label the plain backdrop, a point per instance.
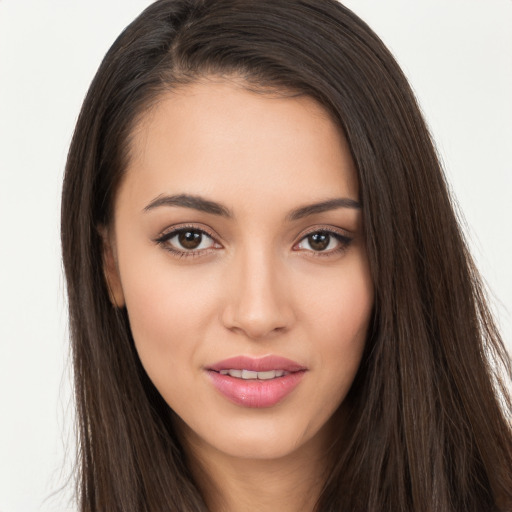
(458, 57)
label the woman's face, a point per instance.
(237, 248)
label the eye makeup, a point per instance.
(192, 241)
(188, 241)
(324, 241)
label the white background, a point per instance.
(458, 56)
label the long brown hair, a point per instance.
(429, 411)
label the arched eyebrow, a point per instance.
(324, 206)
(190, 201)
(205, 205)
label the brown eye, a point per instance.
(190, 239)
(187, 240)
(319, 241)
(325, 242)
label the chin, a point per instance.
(262, 438)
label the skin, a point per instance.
(256, 287)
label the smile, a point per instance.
(251, 375)
(256, 383)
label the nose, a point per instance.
(258, 304)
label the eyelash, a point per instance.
(163, 240)
(343, 240)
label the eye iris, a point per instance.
(319, 241)
(190, 239)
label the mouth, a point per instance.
(260, 365)
(256, 383)
(251, 375)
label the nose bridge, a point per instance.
(258, 303)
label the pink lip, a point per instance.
(256, 393)
(262, 364)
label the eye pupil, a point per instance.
(190, 239)
(319, 241)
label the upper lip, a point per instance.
(261, 364)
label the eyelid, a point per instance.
(343, 236)
(170, 232)
(328, 229)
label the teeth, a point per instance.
(267, 375)
(250, 375)
(247, 374)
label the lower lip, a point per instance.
(256, 393)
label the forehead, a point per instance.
(218, 138)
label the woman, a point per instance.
(272, 306)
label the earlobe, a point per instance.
(110, 268)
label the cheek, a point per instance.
(340, 317)
(339, 303)
(169, 313)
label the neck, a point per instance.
(292, 483)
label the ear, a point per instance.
(111, 268)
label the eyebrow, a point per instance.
(324, 206)
(190, 201)
(204, 205)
